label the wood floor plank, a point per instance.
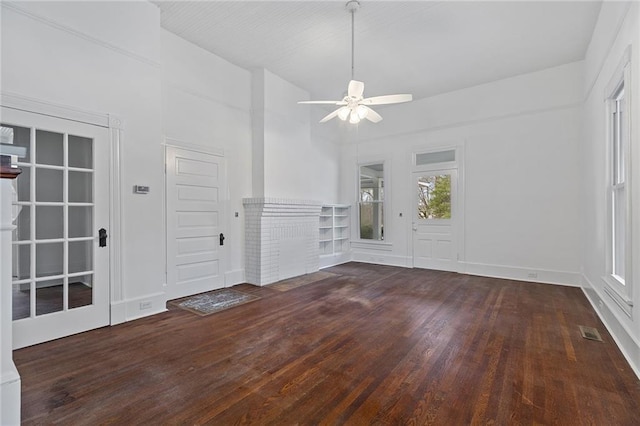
(369, 345)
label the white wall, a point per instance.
(520, 138)
(617, 28)
(296, 165)
(102, 57)
(206, 101)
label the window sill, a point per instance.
(619, 297)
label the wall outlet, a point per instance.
(145, 305)
(532, 275)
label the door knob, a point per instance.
(102, 237)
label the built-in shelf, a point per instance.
(334, 234)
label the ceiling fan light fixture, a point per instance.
(362, 111)
(354, 105)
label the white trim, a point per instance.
(371, 245)
(53, 24)
(212, 150)
(42, 107)
(116, 293)
(517, 273)
(129, 309)
(624, 338)
(382, 259)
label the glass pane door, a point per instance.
(60, 272)
(52, 243)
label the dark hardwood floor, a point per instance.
(373, 345)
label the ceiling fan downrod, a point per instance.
(352, 6)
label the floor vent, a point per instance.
(590, 333)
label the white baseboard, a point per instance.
(334, 259)
(543, 276)
(139, 307)
(624, 338)
(234, 277)
(10, 398)
(382, 259)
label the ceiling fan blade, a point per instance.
(356, 89)
(371, 115)
(386, 99)
(333, 114)
(323, 102)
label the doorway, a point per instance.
(195, 183)
(60, 269)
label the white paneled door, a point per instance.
(434, 220)
(60, 265)
(195, 184)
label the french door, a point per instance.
(60, 264)
(435, 220)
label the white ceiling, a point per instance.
(418, 47)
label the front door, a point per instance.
(195, 184)
(60, 269)
(434, 220)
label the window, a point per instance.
(371, 202)
(618, 250)
(434, 196)
(618, 216)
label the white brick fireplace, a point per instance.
(281, 239)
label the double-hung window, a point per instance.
(618, 232)
(371, 202)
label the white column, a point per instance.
(9, 379)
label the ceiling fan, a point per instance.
(354, 105)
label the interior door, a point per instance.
(60, 270)
(434, 220)
(194, 188)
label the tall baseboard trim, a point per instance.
(542, 276)
(139, 307)
(622, 336)
(334, 259)
(382, 259)
(10, 398)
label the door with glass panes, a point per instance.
(60, 265)
(434, 220)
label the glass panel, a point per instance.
(21, 137)
(372, 183)
(80, 222)
(49, 259)
(23, 184)
(80, 256)
(23, 225)
(49, 222)
(80, 187)
(49, 148)
(619, 233)
(434, 197)
(435, 157)
(622, 148)
(80, 152)
(49, 297)
(49, 185)
(80, 291)
(21, 301)
(21, 267)
(371, 221)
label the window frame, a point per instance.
(382, 202)
(617, 287)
